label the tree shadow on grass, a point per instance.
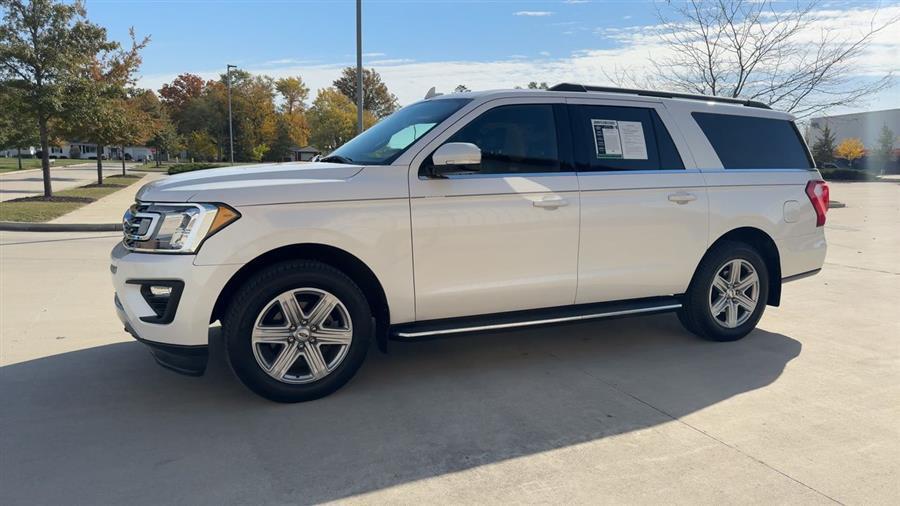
(107, 425)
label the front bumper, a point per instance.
(188, 360)
(179, 341)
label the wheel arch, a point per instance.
(765, 245)
(338, 258)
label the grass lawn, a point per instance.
(9, 164)
(36, 209)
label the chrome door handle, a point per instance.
(551, 202)
(682, 197)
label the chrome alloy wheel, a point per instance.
(734, 293)
(302, 335)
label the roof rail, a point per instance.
(659, 94)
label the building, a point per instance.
(865, 126)
(303, 154)
(84, 150)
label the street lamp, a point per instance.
(230, 128)
(359, 69)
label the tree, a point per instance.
(376, 97)
(200, 145)
(755, 49)
(184, 89)
(461, 88)
(97, 110)
(294, 92)
(15, 133)
(332, 119)
(165, 140)
(823, 148)
(45, 45)
(850, 149)
(885, 146)
(255, 118)
(537, 86)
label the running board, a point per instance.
(533, 317)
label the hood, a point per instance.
(253, 184)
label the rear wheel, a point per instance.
(728, 294)
(297, 331)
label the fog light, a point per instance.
(160, 291)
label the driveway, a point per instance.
(803, 410)
(27, 183)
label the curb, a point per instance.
(25, 226)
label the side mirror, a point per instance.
(449, 158)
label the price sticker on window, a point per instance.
(621, 140)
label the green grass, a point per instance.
(38, 210)
(10, 164)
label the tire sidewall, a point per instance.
(702, 317)
(254, 296)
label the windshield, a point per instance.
(389, 138)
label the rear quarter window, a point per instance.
(746, 142)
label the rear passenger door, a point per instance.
(643, 209)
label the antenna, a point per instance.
(432, 93)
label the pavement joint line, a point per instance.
(863, 268)
(60, 240)
(704, 433)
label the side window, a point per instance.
(514, 139)
(609, 138)
(747, 142)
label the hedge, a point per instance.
(188, 167)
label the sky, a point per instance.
(417, 44)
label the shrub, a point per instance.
(847, 175)
(188, 167)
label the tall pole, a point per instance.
(359, 69)
(230, 128)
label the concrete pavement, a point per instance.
(804, 410)
(110, 208)
(27, 183)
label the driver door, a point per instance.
(503, 235)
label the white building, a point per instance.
(85, 150)
(865, 126)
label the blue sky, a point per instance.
(415, 44)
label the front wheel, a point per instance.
(297, 331)
(728, 294)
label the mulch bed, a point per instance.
(41, 198)
(104, 185)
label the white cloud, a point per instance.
(544, 53)
(533, 13)
(409, 80)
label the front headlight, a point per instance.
(173, 228)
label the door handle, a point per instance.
(682, 197)
(550, 202)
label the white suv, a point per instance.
(472, 212)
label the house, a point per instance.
(84, 150)
(303, 154)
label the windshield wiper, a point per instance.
(336, 159)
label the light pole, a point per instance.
(230, 128)
(359, 69)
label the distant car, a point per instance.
(828, 165)
(473, 212)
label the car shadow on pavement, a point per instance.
(107, 425)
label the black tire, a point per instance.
(696, 315)
(262, 288)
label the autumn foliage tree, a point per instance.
(377, 99)
(332, 119)
(851, 149)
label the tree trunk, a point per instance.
(122, 154)
(99, 164)
(45, 156)
(19, 155)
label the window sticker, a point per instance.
(619, 139)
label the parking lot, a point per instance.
(804, 410)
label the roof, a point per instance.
(306, 149)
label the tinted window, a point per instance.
(745, 142)
(514, 139)
(621, 138)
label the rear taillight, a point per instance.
(817, 191)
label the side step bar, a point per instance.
(528, 318)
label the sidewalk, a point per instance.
(109, 209)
